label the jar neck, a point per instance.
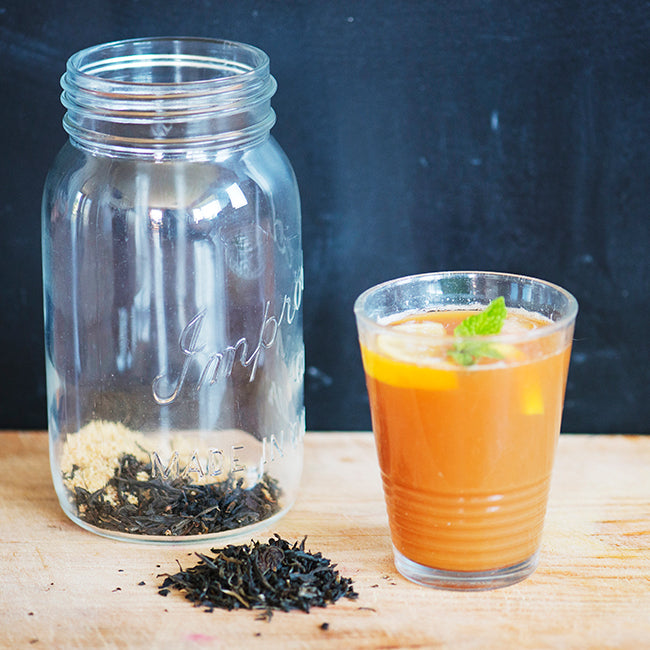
(167, 97)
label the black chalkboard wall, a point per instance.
(473, 134)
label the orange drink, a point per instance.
(465, 428)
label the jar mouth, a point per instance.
(159, 92)
(164, 62)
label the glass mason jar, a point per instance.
(173, 281)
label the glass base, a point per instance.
(465, 580)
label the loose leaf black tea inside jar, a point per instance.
(153, 506)
(112, 482)
(263, 576)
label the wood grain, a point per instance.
(63, 587)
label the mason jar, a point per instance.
(173, 280)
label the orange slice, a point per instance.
(413, 361)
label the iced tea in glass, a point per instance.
(466, 424)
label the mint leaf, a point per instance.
(466, 354)
(485, 323)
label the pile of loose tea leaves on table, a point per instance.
(277, 575)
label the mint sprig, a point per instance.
(485, 323)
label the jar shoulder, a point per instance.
(271, 157)
(77, 171)
(207, 199)
(69, 175)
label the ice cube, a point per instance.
(422, 328)
(413, 341)
(517, 323)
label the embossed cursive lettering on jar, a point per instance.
(173, 281)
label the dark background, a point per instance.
(493, 135)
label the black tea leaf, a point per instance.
(272, 576)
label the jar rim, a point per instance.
(87, 65)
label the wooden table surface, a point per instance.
(63, 587)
